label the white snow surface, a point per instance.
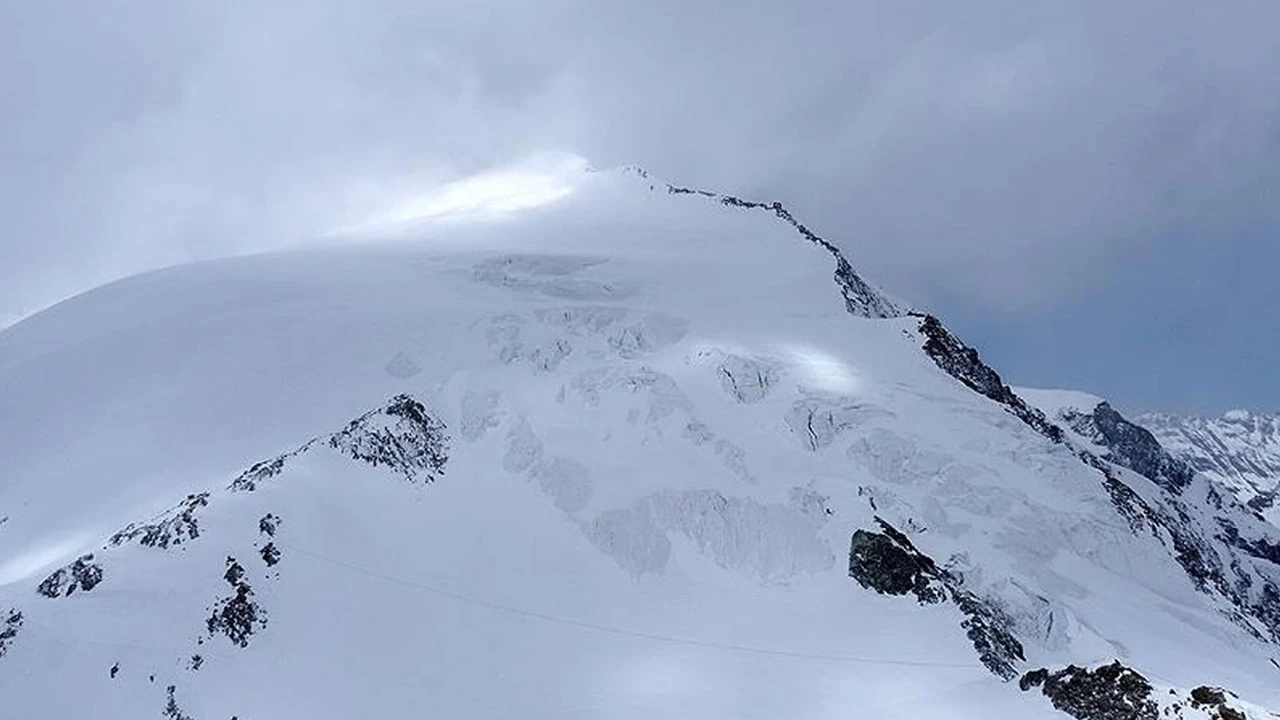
(1240, 449)
(664, 428)
(1055, 402)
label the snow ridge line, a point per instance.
(860, 298)
(626, 632)
(1188, 542)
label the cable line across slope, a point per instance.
(621, 631)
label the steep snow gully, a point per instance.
(593, 494)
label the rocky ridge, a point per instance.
(402, 437)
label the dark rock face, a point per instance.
(1111, 692)
(260, 472)
(860, 298)
(964, 364)
(1133, 447)
(239, 616)
(1267, 608)
(1219, 545)
(1128, 503)
(882, 563)
(171, 710)
(270, 554)
(248, 480)
(402, 436)
(1262, 548)
(1226, 712)
(890, 564)
(1205, 695)
(988, 629)
(267, 527)
(1263, 501)
(269, 524)
(83, 574)
(177, 526)
(9, 630)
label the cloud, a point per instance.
(1006, 153)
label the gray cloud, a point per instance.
(1003, 155)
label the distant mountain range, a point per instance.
(1241, 450)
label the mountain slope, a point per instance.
(644, 451)
(1225, 547)
(1241, 450)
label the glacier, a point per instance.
(633, 450)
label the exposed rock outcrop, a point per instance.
(239, 616)
(403, 437)
(1132, 447)
(83, 574)
(1111, 692)
(260, 472)
(964, 364)
(890, 564)
(269, 524)
(9, 630)
(270, 554)
(1215, 702)
(171, 709)
(880, 562)
(173, 528)
(860, 298)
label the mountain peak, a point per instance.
(696, 466)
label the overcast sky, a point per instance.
(1087, 191)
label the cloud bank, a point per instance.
(992, 156)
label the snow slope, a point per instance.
(606, 458)
(1241, 450)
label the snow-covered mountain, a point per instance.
(1241, 450)
(637, 451)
